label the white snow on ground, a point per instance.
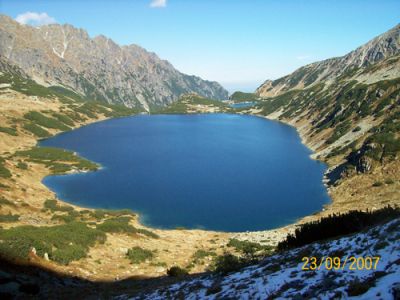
(281, 276)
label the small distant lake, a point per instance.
(214, 171)
(242, 104)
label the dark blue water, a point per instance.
(215, 171)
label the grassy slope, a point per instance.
(335, 113)
(243, 97)
(71, 240)
(31, 216)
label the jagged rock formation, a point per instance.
(353, 65)
(98, 68)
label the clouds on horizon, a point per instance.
(158, 3)
(35, 19)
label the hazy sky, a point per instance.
(239, 43)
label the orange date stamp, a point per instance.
(352, 263)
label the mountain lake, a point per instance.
(220, 172)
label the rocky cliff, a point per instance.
(97, 68)
(353, 65)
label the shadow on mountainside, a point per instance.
(28, 280)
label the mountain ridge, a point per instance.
(98, 68)
(375, 50)
(349, 117)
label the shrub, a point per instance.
(63, 118)
(21, 165)
(247, 248)
(55, 159)
(63, 243)
(63, 218)
(147, 233)
(377, 183)
(380, 245)
(389, 181)
(357, 288)
(227, 263)
(4, 201)
(36, 130)
(68, 254)
(53, 206)
(3, 186)
(200, 254)
(102, 213)
(337, 225)
(340, 130)
(137, 255)
(9, 130)
(9, 218)
(42, 120)
(121, 225)
(214, 289)
(4, 172)
(176, 271)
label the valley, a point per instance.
(346, 110)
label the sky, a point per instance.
(239, 43)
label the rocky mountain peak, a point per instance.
(97, 68)
(381, 47)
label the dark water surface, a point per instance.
(216, 171)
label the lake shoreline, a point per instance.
(64, 188)
(27, 186)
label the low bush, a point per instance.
(4, 186)
(227, 263)
(57, 160)
(249, 249)
(4, 172)
(137, 255)
(42, 120)
(121, 225)
(114, 225)
(4, 201)
(200, 254)
(64, 118)
(9, 218)
(147, 233)
(176, 271)
(357, 288)
(63, 218)
(337, 225)
(21, 165)
(63, 243)
(389, 181)
(102, 213)
(9, 130)
(214, 289)
(53, 206)
(36, 130)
